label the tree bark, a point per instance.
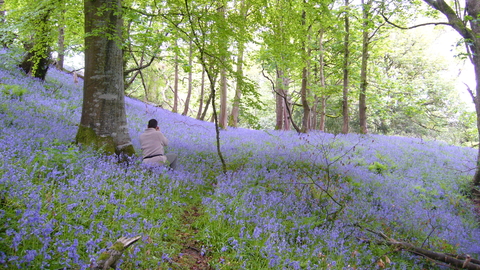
(346, 118)
(279, 101)
(202, 91)
(323, 100)
(190, 80)
(362, 104)
(175, 86)
(238, 88)
(103, 124)
(223, 119)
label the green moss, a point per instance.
(118, 246)
(86, 136)
(129, 150)
(104, 256)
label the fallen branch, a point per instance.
(109, 258)
(457, 261)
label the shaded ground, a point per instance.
(192, 256)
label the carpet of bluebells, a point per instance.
(287, 201)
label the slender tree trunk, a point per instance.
(175, 86)
(238, 88)
(190, 80)
(202, 91)
(103, 124)
(61, 47)
(287, 117)
(239, 85)
(304, 90)
(223, 119)
(306, 107)
(279, 101)
(209, 100)
(346, 118)
(362, 104)
(321, 72)
(323, 113)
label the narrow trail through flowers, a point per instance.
(193, 254)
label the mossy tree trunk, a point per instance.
(103, 123)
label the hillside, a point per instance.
(288, 201)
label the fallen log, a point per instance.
(456, 261)
(109, 258)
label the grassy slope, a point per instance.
(287, 202)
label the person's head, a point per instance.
(152, 123)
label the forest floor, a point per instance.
(191, 257)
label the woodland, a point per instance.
(313, 134)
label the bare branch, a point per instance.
(415, 26)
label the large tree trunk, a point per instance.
(103, 124)
(346, 118)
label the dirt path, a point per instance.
(191, 256)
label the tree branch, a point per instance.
(458, 261)
(415, 26)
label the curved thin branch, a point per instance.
(415, 26)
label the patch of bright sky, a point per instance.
(447, 44)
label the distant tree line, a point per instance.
(333, 66)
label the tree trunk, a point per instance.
(306, 107)
(223, 120)
(175, 86)
(323, 113)
(202, 91)
(346, 56)
(223, 46)
(238, 88)
(321, 71)
(304, 89)
(279, 101)
(362, 105)
(190, 80)
(103, 124)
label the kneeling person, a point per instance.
(152, 142)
